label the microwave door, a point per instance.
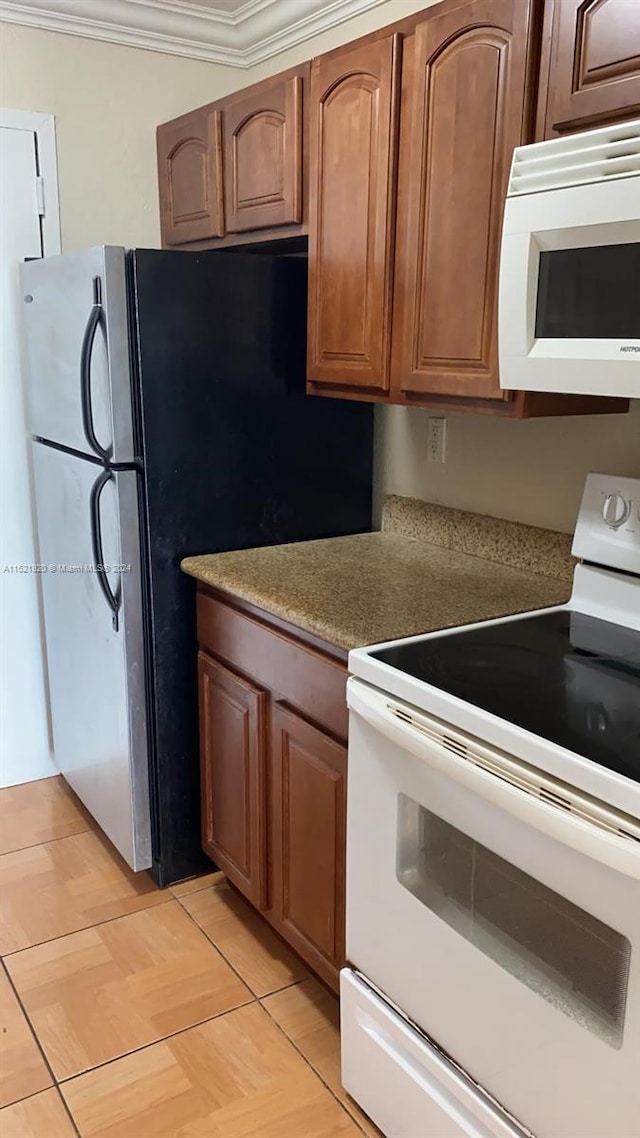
(74, 310)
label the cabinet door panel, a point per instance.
(353, 142)
(468, 106)
(263, 157)
(308, 804)
(190, 178)
(232, 765)
(595, 64)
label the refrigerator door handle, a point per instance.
(112, 598)
(93, 322)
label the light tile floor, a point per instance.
(129, 1011)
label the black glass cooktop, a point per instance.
(562, 675)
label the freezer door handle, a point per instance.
(93, 323)
(112, 598)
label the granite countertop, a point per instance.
(358, 590)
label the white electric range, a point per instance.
(493, 862)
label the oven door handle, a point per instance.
(619, 852)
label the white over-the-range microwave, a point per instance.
(569, 304)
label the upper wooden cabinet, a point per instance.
(393, 154)
(411, 141)
(235, 170)
(190, 177)
(263, 155)
(353, 133)
(467, 96)
(591, 68)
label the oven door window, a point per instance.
(591, 293)
(568, 957)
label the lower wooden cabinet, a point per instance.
(308, 815)
(273, 755)
(233, 776)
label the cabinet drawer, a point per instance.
(314, 684)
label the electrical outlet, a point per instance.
(436, 439)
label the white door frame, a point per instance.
(44, 128)
(39, 130)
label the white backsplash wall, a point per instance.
(528, 471)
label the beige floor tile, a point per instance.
(53, 889)
(102, 992)
(245, 939)
(310, 1016)
(23, 1071)
(195, 884)
(37, 812)
(42, 1116)
(233, 1077)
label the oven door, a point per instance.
(504, 925)
(569, 318)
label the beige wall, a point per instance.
(531, 471)
(107, 101)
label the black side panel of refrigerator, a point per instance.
(235, 455)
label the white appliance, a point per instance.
(493, 862)
(569, 297)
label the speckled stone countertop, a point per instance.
(352, 591)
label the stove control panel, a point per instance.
(608, 528)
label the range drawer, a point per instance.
(405, 1086)
(295, 673)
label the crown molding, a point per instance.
(256, 31)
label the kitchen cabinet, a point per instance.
(591, 65)
(263, 155)
(392, 153)
(234, 171)
(412, 131)
(273, 756)
(308, 809)
(353, 140)
(464, 119)
(190, 178)
(233, 755)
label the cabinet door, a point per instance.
(594, 77)
(263, 156)
(468, 99)
(232, 769)
(308, 803)
(190, 178)
(353, 135)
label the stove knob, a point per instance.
(616, 510)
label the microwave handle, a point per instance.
(618, 853)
